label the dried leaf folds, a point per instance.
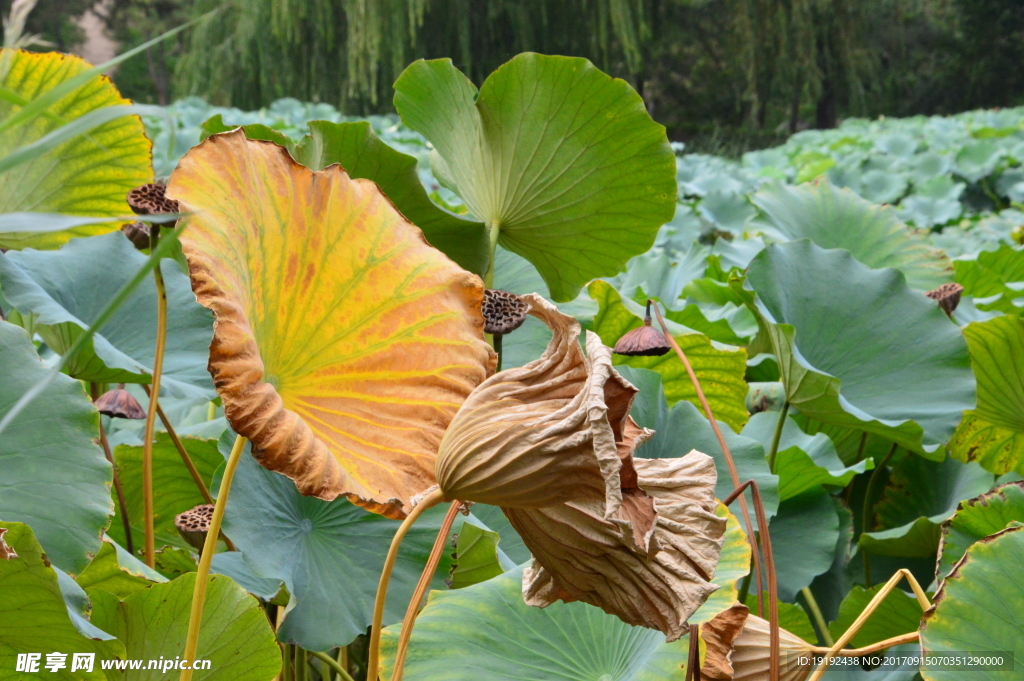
(738, 647)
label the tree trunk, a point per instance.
(827, 116)
(158, 73)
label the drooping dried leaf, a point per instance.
(738, 649)
(344, 343)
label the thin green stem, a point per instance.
(211, 411)
(206, 557)
(373, 662)
(147, 438)
(163, 249)
(779, 425)
(869, 496)
(122, 505)
(333, 664)
(819, 619)
(286, 659)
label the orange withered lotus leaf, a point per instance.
(343, 343)
(738, 649)
(552, 443)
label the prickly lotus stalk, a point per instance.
(552, 444)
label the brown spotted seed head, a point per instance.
(194, 524)
(138, 233)
(119, 404)
(149, 199)
(644, 341)
(504, 312)
(948, 296)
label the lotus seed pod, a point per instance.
(138, 233)
(149, 199)
(948, 296)
(644, 341)
(504, 312)
(120, 404)
(194, 524)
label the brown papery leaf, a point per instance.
(343, 342)
(738, 647)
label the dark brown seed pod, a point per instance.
(194, 524)
(948, 296)
(504, 312)
(149, 199)
(138, 233)
(120, 404)
(644, 341)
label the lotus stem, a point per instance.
(432, 499)
(333, 664)
(128, 544)
(286, 657)
(869, 495)
(154, 397)
(819, 619)
(211, 411)
(922, 600)
(733, 472)
(206, 557)
(874, 647)
(693, 654)
(774, 451)
(421, 590)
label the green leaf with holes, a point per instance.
(559, 160)
(993, 433)
(720, 372)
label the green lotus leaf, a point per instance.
(897, 144)
(560, 161)
(804, 533)
(34, 617)
(899, 613)
(881, 186)
(993, 433)
(329, 554)
(235, 634)
(838, 218)
(118, 572)
(976, 519)
(233, 565)
(476, 556)
(720, 372)
(486, 631)
(55, 478)
(77, 603)
(857, 348)
(683, 428)
(919, 496)
(851, 445)
(733, 565)
(802, 461)
(67, 289)
(978, 159)
(979, 609)
(926, 212)
(511, 543)
(176, 490)
(89, 175)
(994, 274)
(361, 153)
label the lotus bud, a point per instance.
(138, 233)
(738, 649)
(552, 443)
(948, 296)
(643, 341)
(194, 524)
(6, 552)
(149, 199)
(504, 312)
(120, 404)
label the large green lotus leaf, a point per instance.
(829, 587)
(116, 571)
(804, 534)
(980, 608)
(720, 372)
(67, 289)
(918, 497)
(511, 543)
(328, 553)
(476, 557)
(733, 566)
(54, 477)
(838, 218)
(994, 274)
(683, 428)
(176, 491)
(993, 433)
(851, 445)
(361, 153)
(857, 348)
(235, 634)
(487, 632)
(89, 175)
(802, 461)
(976, 519)
(34, 617)
(559, 160)
(899, 613)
